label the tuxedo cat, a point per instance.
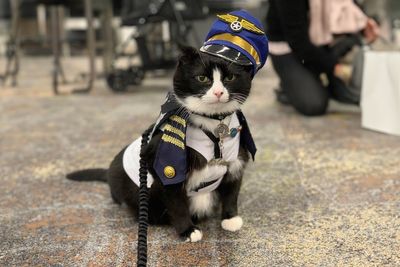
(209, 91)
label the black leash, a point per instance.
(143, 205)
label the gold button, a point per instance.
(169, 172)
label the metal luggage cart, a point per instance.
(161, 25)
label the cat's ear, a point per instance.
(188, 53)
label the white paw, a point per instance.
(233, 224)
(195, 236)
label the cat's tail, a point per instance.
(88, 175)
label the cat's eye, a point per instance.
(230, 78)
(202, 79)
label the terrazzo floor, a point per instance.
(322, 191)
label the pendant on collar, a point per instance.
(222, 130)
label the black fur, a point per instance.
(88, 175)
(170, 204)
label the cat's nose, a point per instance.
(218, 93)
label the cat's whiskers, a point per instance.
(241, 98)
(238, 95)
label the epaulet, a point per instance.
(170, 163)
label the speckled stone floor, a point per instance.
(322, 191)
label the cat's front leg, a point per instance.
(229, 192)
(177, 205)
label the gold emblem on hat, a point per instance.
(169, 172)
(247, 25)
(236, 26)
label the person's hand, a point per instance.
(371, 31)
(343, 72)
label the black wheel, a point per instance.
(135, 75)
(116, 81)
(119, 80)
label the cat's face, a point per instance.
(211, 85)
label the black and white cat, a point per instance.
(205, 87)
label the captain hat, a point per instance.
(238, 37)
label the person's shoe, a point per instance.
(343, 93)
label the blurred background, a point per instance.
(120, 43)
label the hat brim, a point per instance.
(227, 53)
